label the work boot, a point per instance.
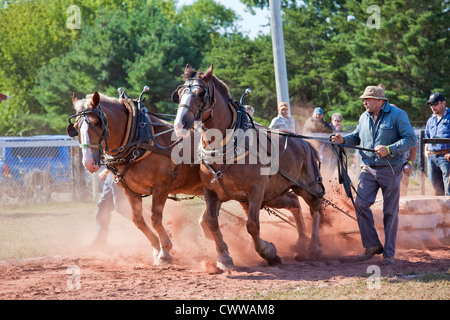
(370, 252)
(388, 261)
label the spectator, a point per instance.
(438, 126)
(250, 110)
(336, 122)
(284, 120)
(316, 123)
(387, 130)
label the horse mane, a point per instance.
(219, 84)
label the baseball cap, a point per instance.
(318, 110)
(282, 105)
(436, 98)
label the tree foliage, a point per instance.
(332, 52)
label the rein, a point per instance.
(139, 140)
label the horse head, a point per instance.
(195, 99)
(89, 123)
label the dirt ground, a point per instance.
(124, 270)
(113, 275)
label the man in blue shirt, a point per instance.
(386, 130)
(438, 126)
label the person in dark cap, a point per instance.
(438, 126)
(316, 123)
(385, 129)
(318, 127)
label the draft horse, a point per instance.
(106, 127)
(203, 97)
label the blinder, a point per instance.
(73, 132)
(175, 97)
(208, 99)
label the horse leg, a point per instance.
(264, 248)
(290, 202)
(224, 260)
(315, 246)
(158, 202)
(204, 226)
(139, 222)
(316, 210)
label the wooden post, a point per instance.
(78, 175)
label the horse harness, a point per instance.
(241, 121)
(138, 142)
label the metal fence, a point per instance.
(49, 169)
(43, 169)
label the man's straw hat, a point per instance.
(373, 92)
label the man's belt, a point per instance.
(438, 153)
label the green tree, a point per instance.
(31, 34)
(145, 43)
(243, 63)
(408, 54)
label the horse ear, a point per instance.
(209, 73)
(187, 69)
(95, 99)
(74, 98)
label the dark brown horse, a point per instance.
(293, 165)
(103, 126)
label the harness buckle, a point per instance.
(217, 175)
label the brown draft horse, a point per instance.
(101, 123)
(205, 98)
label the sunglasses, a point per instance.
(434, 104)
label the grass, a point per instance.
(44, 229)
(431, 286)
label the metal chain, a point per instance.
(329, 203)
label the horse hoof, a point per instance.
(315, 254)
(300, 257)
(163, 261)
(275, 261)
(225, 263)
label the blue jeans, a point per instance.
(370, 181)
(438, 171)
(113, 198)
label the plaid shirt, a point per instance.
(438, 129)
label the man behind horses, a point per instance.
(387, 129)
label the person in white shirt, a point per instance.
(284, 120)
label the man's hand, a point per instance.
(337, 138)
(382, 151)
(102, 175)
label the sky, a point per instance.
(250, 24)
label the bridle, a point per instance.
(81, 117)
(189, 86)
